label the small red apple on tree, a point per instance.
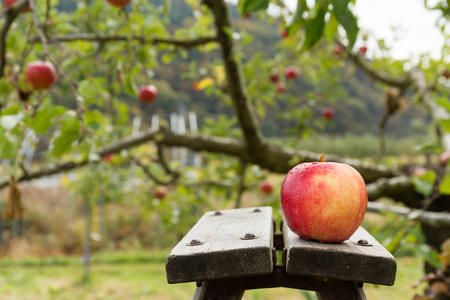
(41, 75)
(446, 74)
(338, 50)
(290, 72)
(281, 88)
(327, 113)
(362, 50)
(247, 16)
(108, 158)
(118, 3)
(274, 77)
(160, 192)
(147, 93)
(266, 188)
(284, 34)
(325, 201)
(8, 3)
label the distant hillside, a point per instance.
(359, 112)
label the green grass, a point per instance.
(141, 275)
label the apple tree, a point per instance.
(103, 51)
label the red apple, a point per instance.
(446, 74)
(290, 72)
(274, 77)
(118, 3)
(148, 93)
(362, 50)
(280, 88)
(40, 74)
(444, 158)
(160, 192)
(338, 50)
(328, 113)
(325, 201)
(266, 188)
(8, 3)
(108, 158)
(284, 34)
(247, 16)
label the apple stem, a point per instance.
(322, 158)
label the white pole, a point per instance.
(174, 128)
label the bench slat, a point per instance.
(344, 261)
(223, 254)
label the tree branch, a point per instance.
(11, 14)
(376, 74)
(91, 37)
(236, 85)
(426, 217)
(279, 159)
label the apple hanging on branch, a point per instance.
(290, 72)
(9, 3)
(147, 93)
(266, 188)
(119, 3)
(160, 192)
(41, 75)
(324, 201)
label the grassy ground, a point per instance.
(141, 275)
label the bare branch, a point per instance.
(11, 14)
(91, 37)
(39, 31)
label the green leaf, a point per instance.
(297, 21)
(444, 187)
(130, 85)
(249, 6)
(331, 28)
(443, 102)
(348, 21)
(339, 7)
(44, 118)
(9, 145)
(93, 119)
(445, 125)
(314, 29)
(69, 121)
(422, 187)
(63, 142)
(429, 176)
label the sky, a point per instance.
(417, 30)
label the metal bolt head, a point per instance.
(249, 236)
(256, 210)
(218, 213)
(363, 242)
(194, 242)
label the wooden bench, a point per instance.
(230, 251)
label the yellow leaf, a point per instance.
(203, 84)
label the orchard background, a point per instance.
(236, 95)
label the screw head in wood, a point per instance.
(194, 242)
(256, 210)
(249, 236)
(217, 213)
(363, 242)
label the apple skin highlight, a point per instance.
(324, 201)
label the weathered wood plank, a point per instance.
(222, 252)
(344, 261)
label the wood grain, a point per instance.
(222, 253)
(344, 261)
